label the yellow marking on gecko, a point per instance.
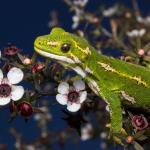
(109, 68)
(86, 50)
(127, 97)
(52, 43)
(76, 59)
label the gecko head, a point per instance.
(62, 46)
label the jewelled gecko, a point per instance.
(119, 83)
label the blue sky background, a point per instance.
(21, 21)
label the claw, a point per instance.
(117, 137)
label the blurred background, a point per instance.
(20, 23)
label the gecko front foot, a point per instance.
(117, 136)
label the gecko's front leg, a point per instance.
(114, 103)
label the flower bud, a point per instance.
(129, 139)
(25, 109)
(27, 61)
(37, 67)
(11, 50)
(141, 52)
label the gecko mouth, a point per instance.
(54, 56)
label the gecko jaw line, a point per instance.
(53, 56)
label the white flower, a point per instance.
(86, 132)
(110, 11)
(103, 135)
(81, 3)
(72, 96)
(146, 20)
(140, 19)
(8, 89)
(45, 116)
(142, 32)
(30, 147)
(76, 20)
(136, 33)
(75, 25)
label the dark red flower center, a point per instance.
(73, 96)
(12, 50)
(5, 90)
(139, 122)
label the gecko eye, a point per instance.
(65, 47)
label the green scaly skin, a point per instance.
(117, 82)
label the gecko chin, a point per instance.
(54, 56)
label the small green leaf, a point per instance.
(139, 134)
(137, 146)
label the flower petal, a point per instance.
(17, 92)
(4, 101)
(1, 74)
(74, 107)
(83, 96)
(15, 75)
(5, 81)
(63, 88)
(79, 85)
(86, 132)
(61, 99)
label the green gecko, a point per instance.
(118, 83)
